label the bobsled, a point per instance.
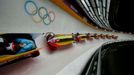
(7, 49)
(55, 41)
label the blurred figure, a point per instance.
(21, 45)
(18, 45)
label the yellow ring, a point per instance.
(34, 19)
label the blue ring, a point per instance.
(31, 14)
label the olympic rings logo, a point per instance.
(42, 13)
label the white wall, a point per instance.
(14, 19)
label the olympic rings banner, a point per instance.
(39, 14)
